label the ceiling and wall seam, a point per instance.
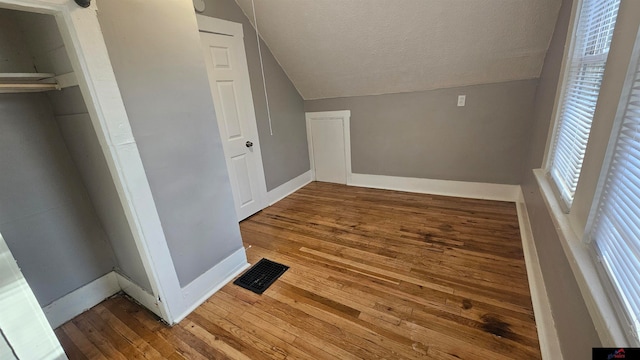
(557, 14)
(382, 46)
(432, 89)
(253, 26)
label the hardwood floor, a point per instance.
(374, 274)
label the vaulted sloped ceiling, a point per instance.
(338, 48)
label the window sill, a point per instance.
(584, 269)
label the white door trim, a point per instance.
(345, 115)
(219, 26)
(224, 27)
(87, 51)
(23, 323)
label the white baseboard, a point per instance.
(547, 334)
(137, 293)
(289, 187)
(207, 284)
(93, 293)
(194, 294)
(474, 190)
(81, 300)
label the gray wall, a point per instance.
(154, 48)
(43, 41)
(285, 154)
(573, 322)
(14, 55)
(46, 216)
(425, 135)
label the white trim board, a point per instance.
(289, 187)
(81, 300)
(547, 334)
(93, 293)
(24, 326)
(138, 294)
(219, 26)
(474, 190)
(67, 80)
(207, 284)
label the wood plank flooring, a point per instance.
(374, 274)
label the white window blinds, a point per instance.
(578, 103)
(616, 230)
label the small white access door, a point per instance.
(223, 46)
(329, 141)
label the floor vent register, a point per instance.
(261, 276)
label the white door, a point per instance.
(25, 332)
(328, 150)
(229, 79)
(329, 145)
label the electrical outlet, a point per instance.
(462, 99)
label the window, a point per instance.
(585, 69)
(616, 227)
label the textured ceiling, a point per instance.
(337, 48)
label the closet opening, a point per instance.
(61, 214)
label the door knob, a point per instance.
(249, 144)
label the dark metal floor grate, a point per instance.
(261, 276)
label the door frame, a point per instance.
(87, 51)
(213, 25)
(345, 116)
(22, 311)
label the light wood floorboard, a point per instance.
(374, 274)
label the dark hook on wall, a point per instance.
(83, 3)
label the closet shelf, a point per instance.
(27, 82)
(25, 76)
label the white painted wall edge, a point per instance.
(474, 190)
(547, 333)
(289, 187)
(81, 300)
(138, 294)
(207, 284)
(24, 325)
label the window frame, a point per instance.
(565, 72)
(570, 226)
(623, 102)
